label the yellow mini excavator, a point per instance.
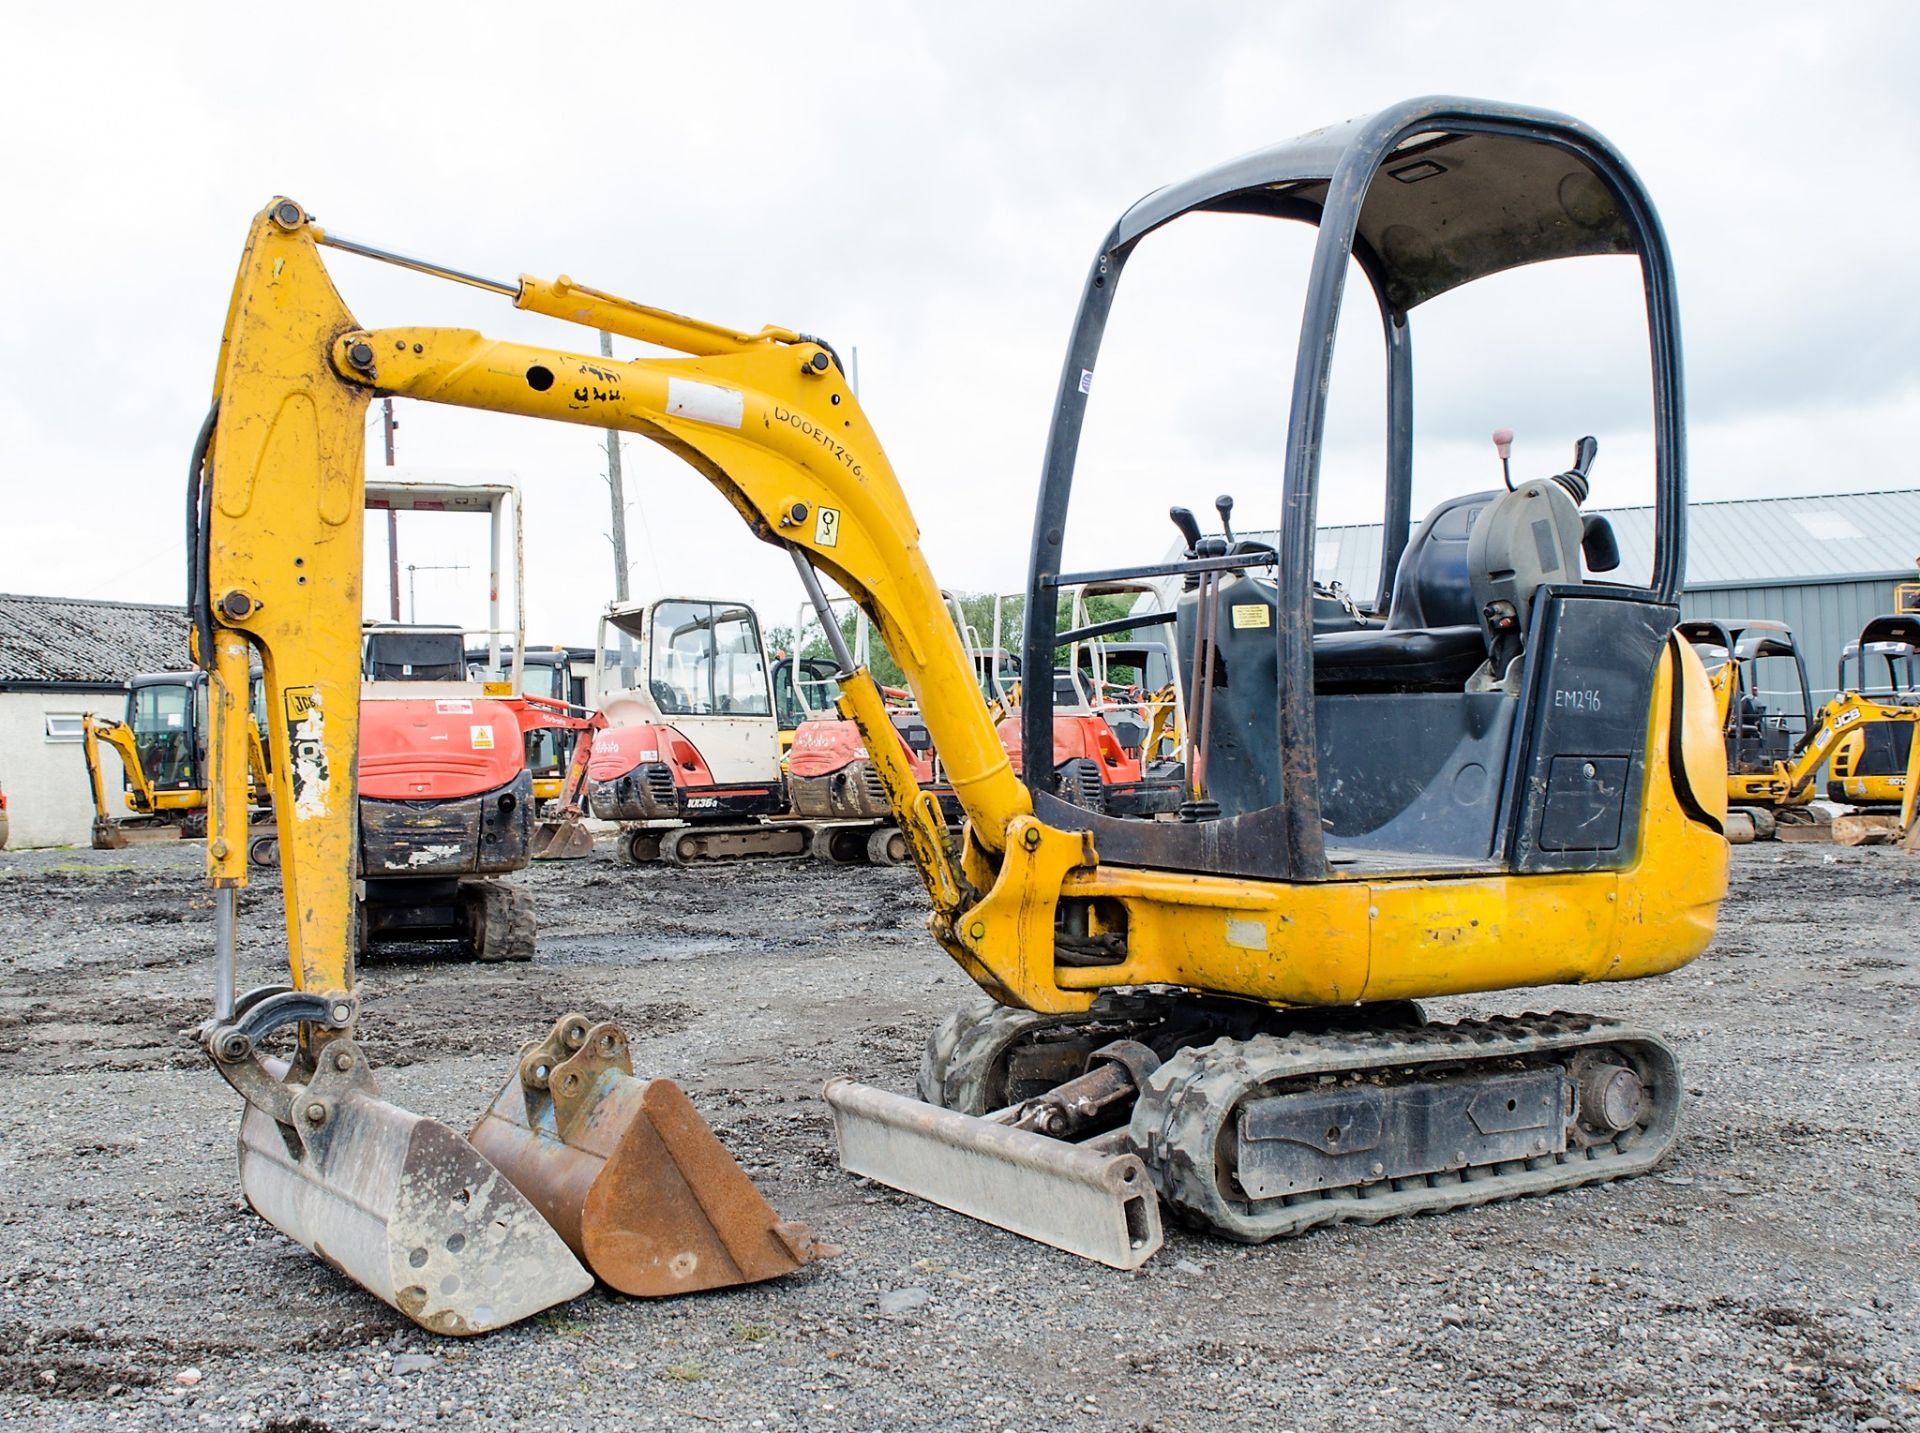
(161, 743)
(1774, 755)
(1511, 778)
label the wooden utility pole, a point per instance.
(617, 493)
(393, 520)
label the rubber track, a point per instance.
(966, 1049)
(507, 932)
(1180, 1118)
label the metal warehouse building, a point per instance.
(1823, 565)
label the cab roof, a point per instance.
(1451, 203)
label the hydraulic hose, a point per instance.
(200, 540)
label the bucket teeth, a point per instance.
(629, 1174)
(401, 1205)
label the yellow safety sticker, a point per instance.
(482, 737)
(1251, 614)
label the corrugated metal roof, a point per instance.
(1746, 542)
(71, 639)
(1751, 542)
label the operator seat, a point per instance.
(1432, 640)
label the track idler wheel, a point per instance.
(629, 1174)
(639, 846)
(888, 847)
(840, 845)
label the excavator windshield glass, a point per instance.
(165, 721)
(707, 661)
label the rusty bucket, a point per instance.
(563, 838)
(629, 1174)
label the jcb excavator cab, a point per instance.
(1869, 763)
(161, 739)
(1769, 700)
(167, 713)
(1494, 715)
(1774, 739)
(1884, 661)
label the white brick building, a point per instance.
(61, 657)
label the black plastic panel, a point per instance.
(1417, 772)
(1585, 797)
(1591, 663)
(470, 835)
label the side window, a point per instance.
(682, 652)
(739, 670)
(785, 704)
(707, 661)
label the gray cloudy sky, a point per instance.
(927, 183)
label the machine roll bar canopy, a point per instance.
(1425, 196)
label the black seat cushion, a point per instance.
(1389, 660)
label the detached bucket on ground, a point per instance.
(629, 1174)
(401, 1205)
(563, 839)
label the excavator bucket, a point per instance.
(563, 839)
(402, 1205)
(629, 1174)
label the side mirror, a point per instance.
(1598, 544)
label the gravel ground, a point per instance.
(1763, 1277)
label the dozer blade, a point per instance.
(1099, 1205)
(566, 839)
(117, 836)
(401, 1205)
(1866, 828)
(629, 1174)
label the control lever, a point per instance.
(1503, 445)
(1224, 506)
(1189, 527)
(1575, 480)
